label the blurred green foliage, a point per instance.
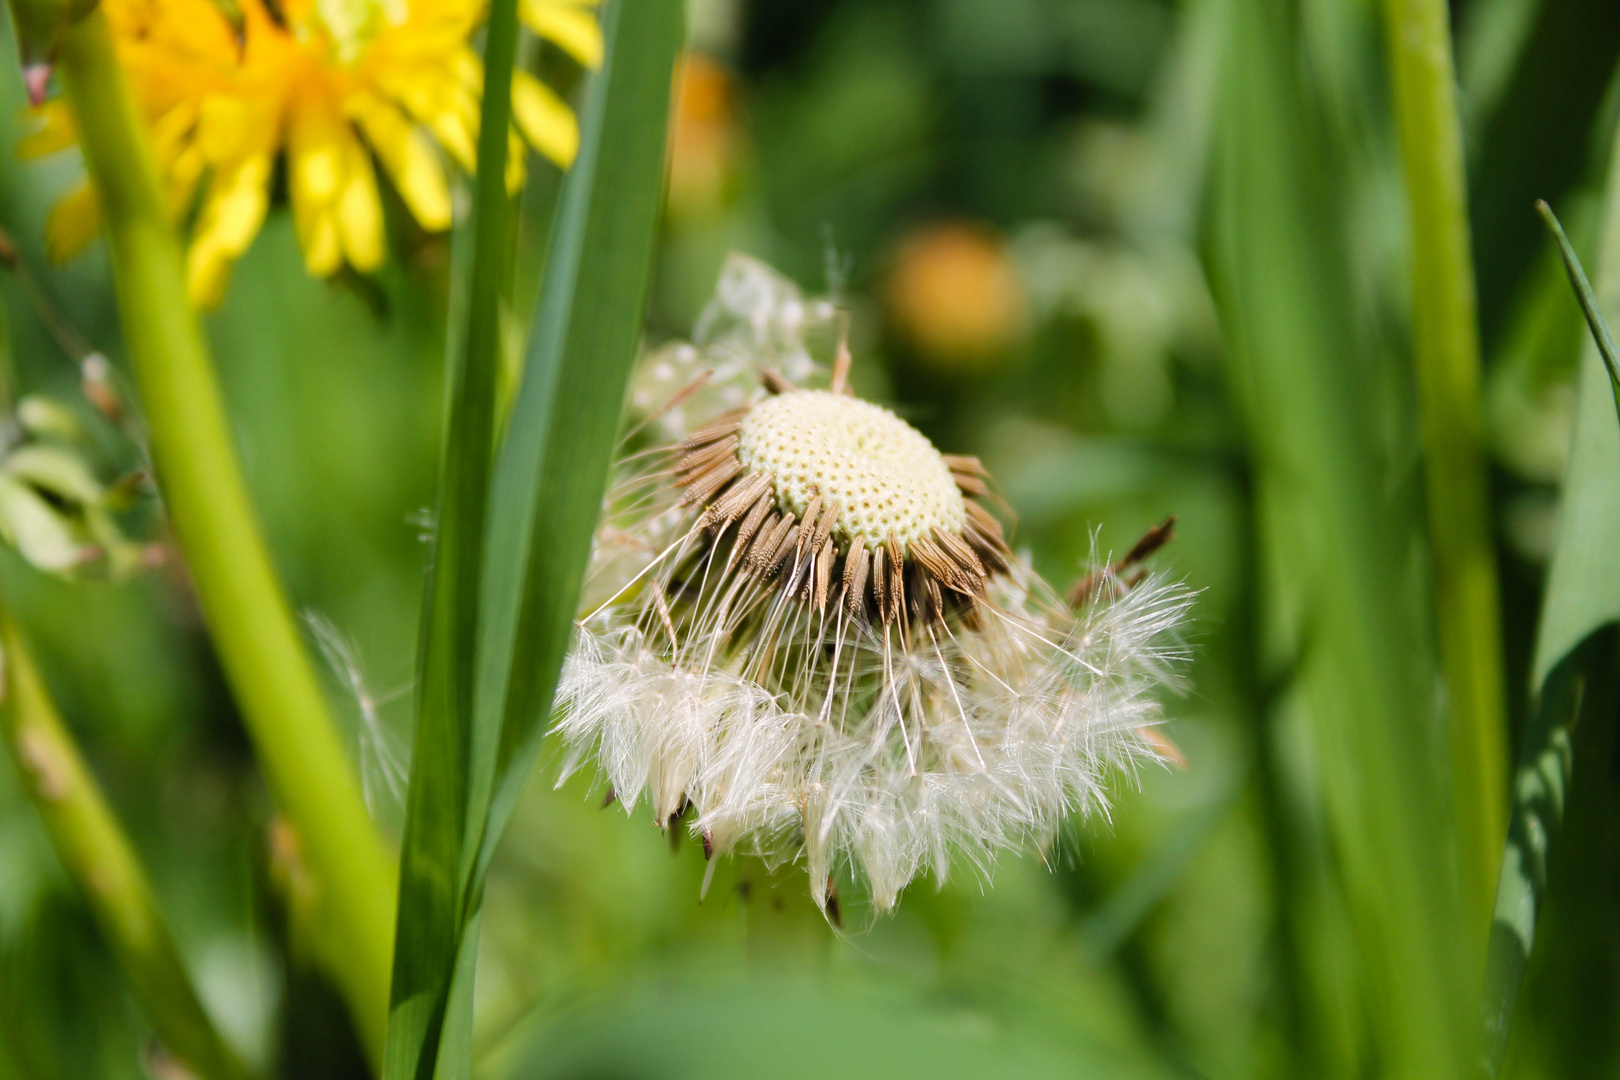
(1077, 243)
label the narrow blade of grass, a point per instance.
(1586, 298)
(1337, 545)
(547, 491)
(432, 902)
(553, 469)
(98, 856)
(1445, 348)
(1576, 664)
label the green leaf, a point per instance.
(1575, 672)
(477, 739)
(439, 809)
(1583, 294)
(1346, 622)
(553, 469)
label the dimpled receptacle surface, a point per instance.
(890, 483)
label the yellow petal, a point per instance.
(72, 223)
(544, 118)
(317, 163)
(235, 204)
(571, 27)
(409, 159)
(54, 132)
(445, 106)
(232, 211)
(317, 227)
(323, 245)
(207, 270)
(359, 212)
(231, 127)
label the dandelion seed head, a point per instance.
(887, 478)
(806, 627)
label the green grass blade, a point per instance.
(1588, 301)
(1445, 347)
(547, 493)
(98, 855)
(432, 902)
(1576, 664)
(1346, 602)
(553, 469)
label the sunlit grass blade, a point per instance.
(474, 742)
(432, 903)
(1445, 347)
(193, 447)
(553, 469)
(98, 856)
(1576, 658)
(1345, 599)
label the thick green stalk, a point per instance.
(1446, 351)
(98, 856)
(276, 688)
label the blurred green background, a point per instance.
(1036, 211)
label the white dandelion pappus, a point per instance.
(808, 630)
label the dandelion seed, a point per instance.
(383, 753)
(817, 638)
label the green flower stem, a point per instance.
(280, 697)
(1446, 352)
(99, 857)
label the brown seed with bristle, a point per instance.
(897, 583)
(751, 523)
(824, 560)
(824, 527)
(931, 559)
(663, 613)
(725, 424)
(857, 567)
(994, 556)
(971, 486)
(775, 382)
(775, 527)
(982, 520)
(880, 585)
(961, 553)
(811, 512)
(700, 458)
(711, 480)
(785, 547)
(965, 464)
(1086, 588)
(737, 500)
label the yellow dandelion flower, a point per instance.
(339, 87)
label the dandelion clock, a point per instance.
(808, 639)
